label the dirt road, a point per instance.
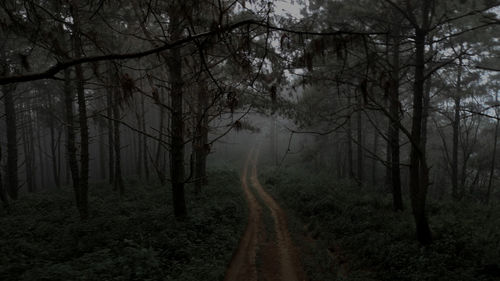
(265, 252)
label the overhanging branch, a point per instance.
(53, 70)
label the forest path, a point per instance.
(265, 252)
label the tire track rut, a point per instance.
(280, 258)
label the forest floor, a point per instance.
(135, 237)
(266, 250)
(352, 234)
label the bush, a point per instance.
(134, 238)
(359, 226)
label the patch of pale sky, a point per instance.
(293, 8)
(288, 7)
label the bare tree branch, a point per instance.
(53, 70)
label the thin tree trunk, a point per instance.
(11, 124)
(198, 146)
(206, 147)
(473, 184)
(102, 151)
(177, 126)
(350, 168)
(397, 197)
(456, 133)
(160, 159)
(53, 148)
(31, 146)
(140, 146)
(3, 194)
(102, 142)
(144, 139)
(338, 159)
(201, 133)
(494, 154)
(467, 150)
(374, 160)
(454, 150)
(71, 137)
(59, 137)
(273, 140)
(388, 151)
(426, 100)
(40, 153)
(118, 183)
(359, 138)
(27, 156)
(82, 119)
(84, 144)
(54, 153)
(109, 114)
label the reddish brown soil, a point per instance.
(278, 257)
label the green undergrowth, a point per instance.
(351, 233)
(134, 238)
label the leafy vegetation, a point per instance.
(398, 97)
(134, 238)
(357, 232)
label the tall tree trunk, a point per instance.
(177, 123)
(454, 150)
(374, 160)
(67, 115)
(54, 153)
(140, 146)
(456, 133)
(82, 118)
(101, 127)
(397, 197)
(494, 155)
(350, 168)
(3, 194)
(467, 152)
(39, 140)
(54, 156)
(84, 144)
(102, 151)
(109, 114)
(144, 140)
(160, 153)
(71, 137)
(419, 173)
(273, 139)
(59, 162)
(388, 151)
(118, 184)
(28, 160)
(338, 160)
(426, 105)
(359, 152)
(31, 145)
(201, 138)
(11, 124)
(206, 147)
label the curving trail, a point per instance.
(242, 266)
(260, 255)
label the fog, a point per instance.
(246, 140)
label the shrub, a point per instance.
(378, 244)
(134, 238)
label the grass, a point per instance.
(360, 229)
(136, 238)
